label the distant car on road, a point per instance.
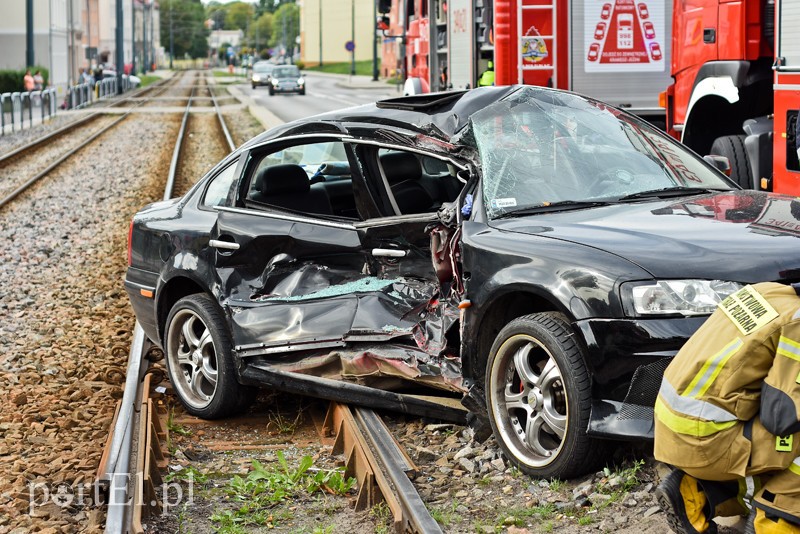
(539, 254)
(261, 74)
(287, 79)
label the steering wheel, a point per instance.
(613, 181)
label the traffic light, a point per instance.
(384, 6)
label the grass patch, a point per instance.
(148, 79)
(519, 517)
(363, 68)
(383, 517)
(264, 488)
(446, 516)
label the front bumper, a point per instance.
(288, 88)
(627, 359)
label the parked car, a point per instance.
(655, 52)
(605, 12)
(262, 70)
(600, 31)
(287, 79)
(594, 52)
(538, 254)
(644, 13)
(649, 30)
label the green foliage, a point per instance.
(238, 15)
(264, 488)
(189, 33)
(519, 516)
(260, 31)
(286, 26)
(363, 68)
(187, 474)
(383, 517)
(447, 515)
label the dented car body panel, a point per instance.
(416, 229)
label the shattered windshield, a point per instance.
(541, 148)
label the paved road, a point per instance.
(322, 94)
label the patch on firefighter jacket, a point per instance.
(748, 310)
(783, 443)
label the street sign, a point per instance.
(349, 46)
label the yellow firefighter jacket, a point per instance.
(742, 362)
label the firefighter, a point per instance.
(487, 77)
(727, 416)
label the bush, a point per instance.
(12, 80)
(300, 64)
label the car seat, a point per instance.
(288, 186)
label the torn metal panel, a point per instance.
(376, 365)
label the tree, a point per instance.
(238, 15)
(286, 25)
(262, 29)
(186, 18)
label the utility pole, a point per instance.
(133, 36)
(171, 48)
(144, 35)
(71, 41)
(320, 33)
(120, 56)
(29, 60)
(375, 43)
(152, 38)
(353, 36)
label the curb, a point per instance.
(267, 119)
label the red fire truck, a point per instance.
(736, 90)
(614, 50)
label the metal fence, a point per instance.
(18, 108)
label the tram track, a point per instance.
(59, 146)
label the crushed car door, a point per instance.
(292, 270)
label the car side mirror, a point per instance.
(721, 163)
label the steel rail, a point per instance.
(121, 516)
(227, 133)
(65, 156)
(74, 124)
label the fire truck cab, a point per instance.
(736, 90)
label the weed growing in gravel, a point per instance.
(174, 427)
(556, 484)
(518, 517)
(282, 424)
(447, 515)
(383, 517)
(265, 488)
(187, 474)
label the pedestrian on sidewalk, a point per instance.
(27, 81)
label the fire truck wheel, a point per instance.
(732, 147)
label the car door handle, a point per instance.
(227, 245)
(389, 252)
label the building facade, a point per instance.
(326, 26)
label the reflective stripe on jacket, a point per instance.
(736, 365)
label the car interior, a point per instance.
(315, 178)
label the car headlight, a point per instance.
(301, 81)
(256, 78)
(274, 83)
(670, 297)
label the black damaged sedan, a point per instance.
(536, 254)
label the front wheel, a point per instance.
(271, 91)
(732, 147)
(199, 360)
(538, 394)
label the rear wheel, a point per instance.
(199, 360)
(538, 394)
(271, 91)
(732, 147)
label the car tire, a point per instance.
(302, 92)
(254, 87)
(732, 147)
(539, 416)
(199, 359)
(271, 91)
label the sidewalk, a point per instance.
(356, 81)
